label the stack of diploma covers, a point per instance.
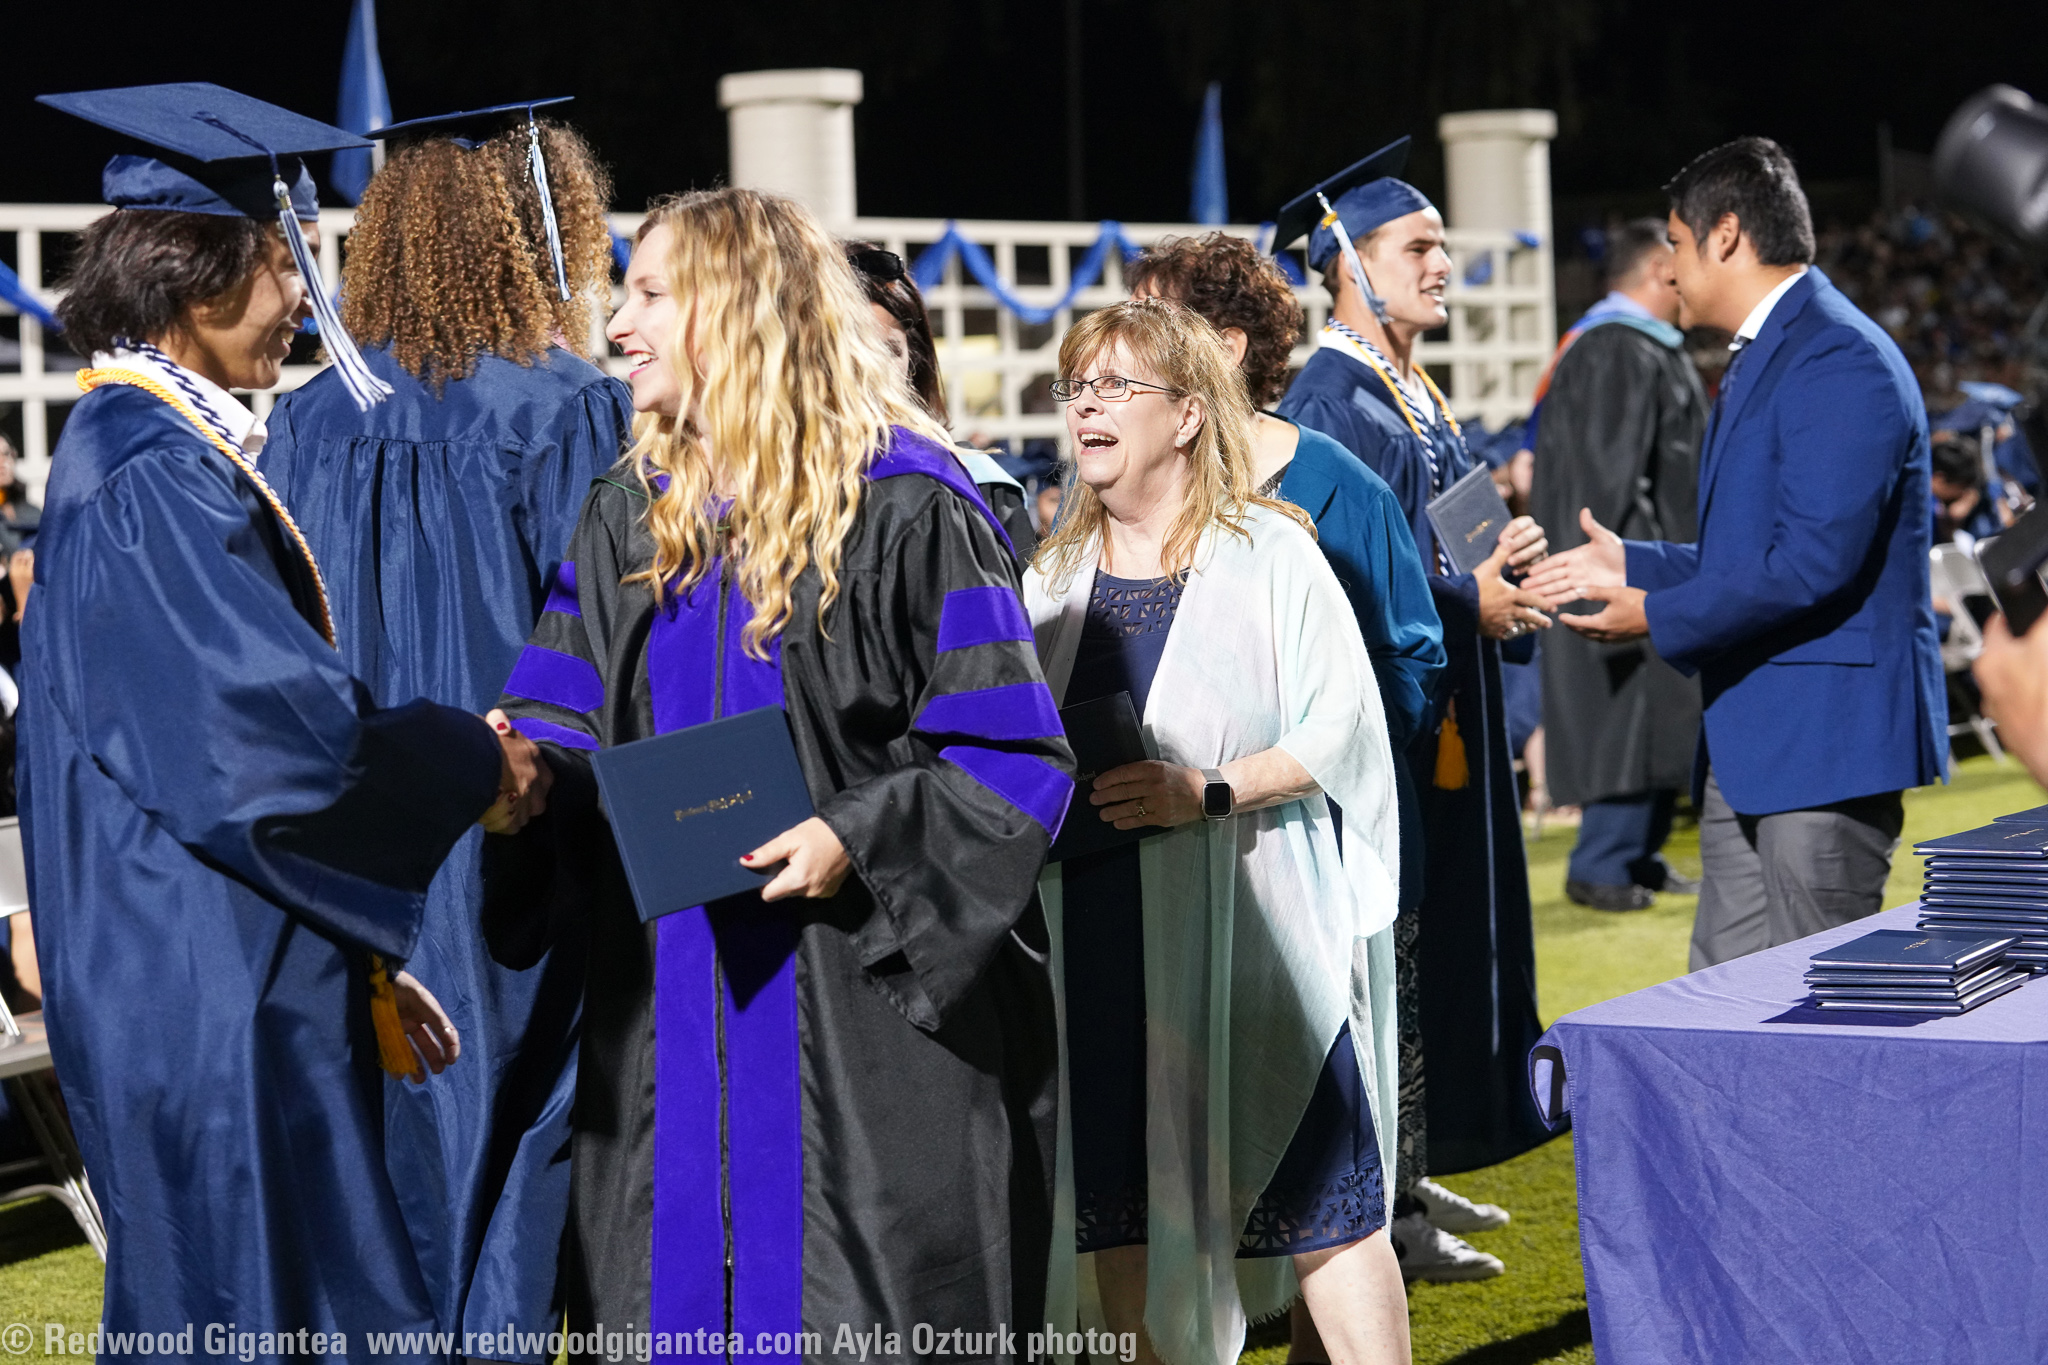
(1914, 971)
(1992, 880)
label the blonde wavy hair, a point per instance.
(1168, 342)
(449, 261)
(797, 390)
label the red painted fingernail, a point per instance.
(746, 857)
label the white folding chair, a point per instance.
(25, 1067)
(1956, 576)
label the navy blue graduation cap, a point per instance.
(228, 154)
(470, 127)
(1363, 196)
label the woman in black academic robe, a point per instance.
(822, 1112)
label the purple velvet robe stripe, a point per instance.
(563, 680)
(562, 594)
(910, 453)
(539, 730)
(736, 958)
(982, 616)
(1026, 781)
(1012, 711)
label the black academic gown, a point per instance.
(1477, 949)
(886, 1058)
(439, 516)
(221, 827)
(1621, 435)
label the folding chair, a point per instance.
(25, 1067)
(1956, 577)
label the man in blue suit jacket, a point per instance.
(1804, 607)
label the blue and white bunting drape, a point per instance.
(930, 268)
(13, 291)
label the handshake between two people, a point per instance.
(807, 859)
(1596, 572)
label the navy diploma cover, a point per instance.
(685, 805)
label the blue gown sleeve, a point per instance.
(226, 719)
(1396, 613)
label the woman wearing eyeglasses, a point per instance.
(1227, 980)
(898, 309)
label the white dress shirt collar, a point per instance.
(1761, 314)
(222, 410)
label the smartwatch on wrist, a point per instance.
(1218, 801)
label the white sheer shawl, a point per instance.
(1260, 940)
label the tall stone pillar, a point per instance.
(1497, 178)
(792, 132)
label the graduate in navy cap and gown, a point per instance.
(1379, 244)
(826, 1106)
(229, 841)
(440, 516)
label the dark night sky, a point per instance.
(966, 99)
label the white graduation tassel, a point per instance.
(539, 166)
(1336, 225)
(363, 386)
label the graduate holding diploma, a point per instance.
(440, 516)
(228, 841)
(830, 1103)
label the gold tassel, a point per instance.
(1452, 773)
(393, 1051)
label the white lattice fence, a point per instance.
(996, 367)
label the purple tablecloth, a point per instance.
(1762, 1181)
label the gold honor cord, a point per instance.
(394, 1053)
(1401, 402)
(89, 380)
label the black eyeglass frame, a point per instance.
(1067, 390)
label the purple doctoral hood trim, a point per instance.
(735, 958)
(982, 616)
(1012, 711)
(1026, 781)
(537, 730)
(562, 592)
(548, 675)
(910, 453)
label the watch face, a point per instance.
(1216, 800)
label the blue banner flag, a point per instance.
(1209, 203)
(365, 103)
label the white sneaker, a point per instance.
(1454, 1212)
(1427, 1252)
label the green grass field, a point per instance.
(1534, 1315)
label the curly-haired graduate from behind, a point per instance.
(441, 516)
(449, 258)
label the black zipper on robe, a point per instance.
(718, 987)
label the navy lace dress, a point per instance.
(1329, 1189)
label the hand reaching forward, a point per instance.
(427, 1025)
(817, 865)
(1505, 610)
(1619, 622)
(2013, 676)
(523, 779)
(1601, 562)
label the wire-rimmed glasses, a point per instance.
(1110, 388)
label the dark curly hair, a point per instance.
(449, 257)
(137, 272)
(899, 297)
(1230, 284)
